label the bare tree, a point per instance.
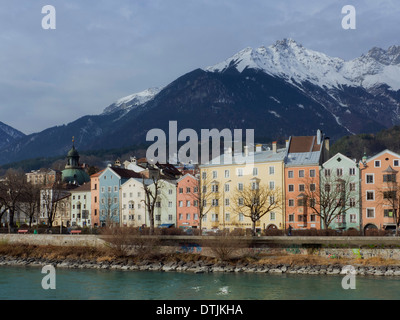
(11, 192)
(108, 208)
(152, 189)
(30, 202)
(206, 194)
(389, 195)
(330, 197)
(255, 201)
(49, 197)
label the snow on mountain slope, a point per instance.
(289, 60)
(132, 101)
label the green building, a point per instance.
(73, 172)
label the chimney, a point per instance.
(246, 151)
(258, 147)
(274, 147)
(319, 136)
(287, 144)
(228, 150)
(326, 149)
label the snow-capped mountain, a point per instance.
(281, 90)
(8, 134)
(289, 60)
(132, 101)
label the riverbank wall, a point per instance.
(333, 247)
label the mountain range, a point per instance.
(280, 90)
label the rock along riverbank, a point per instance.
(203, 267)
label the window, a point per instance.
(187, 216)
(226, 173)
(180, 190)
(352, 171)
(226, 187)
(241, 217)
(215, 174)
(370, 212)
(214, 188)
(312, 187)
(301, 173)
(180, 216)
(187, 189)
(254, 186)
(339, 172)
(352, 202)
(226, 202)
(204, 175)
(312, 173)
(352, 186)
(181, 203)
(290, 174)
(169, 204)
(388, 195)
(291, 217)
(227, 217)
(272, 185)
(389, 178)
(353, 218)
(377, 163)
(291, 187)
(255, 171)
(327, 172)
(214, 217)
(388, 213)
(215, 202)
(395, 162)
(369, 178)
(272, 215)
(272, 170)
(187, 203)
(301, 187)
(291, 202)
(370, 195)
(240, 186)
(301, 202)
(240, 172)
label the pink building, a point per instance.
(187, 202)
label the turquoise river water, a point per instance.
(17, 283)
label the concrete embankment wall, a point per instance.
(349, 247)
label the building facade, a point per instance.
(187, 201)
(223, 183)
(305, 155)
(81, 206)
(340, 172)
(379, 190)
(132, 202)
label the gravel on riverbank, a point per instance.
(202, 266)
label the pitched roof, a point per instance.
(126, 173)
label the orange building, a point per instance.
(305, 155)
(94, 205)
(379, 184)
(187, 202)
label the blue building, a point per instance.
(110, 182)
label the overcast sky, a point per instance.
(103, 50)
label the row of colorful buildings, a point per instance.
(314, 190)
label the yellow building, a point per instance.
(224, 180)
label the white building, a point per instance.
(81, 206)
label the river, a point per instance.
(25, 283)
